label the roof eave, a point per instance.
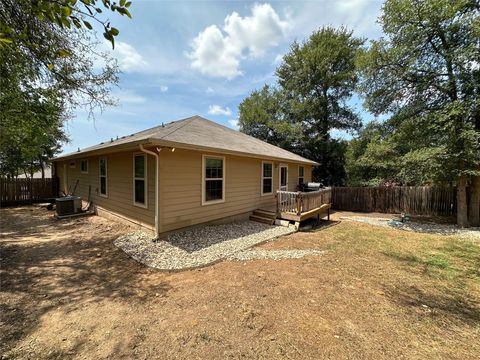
(159, 142)
(101, 151)
(168, 143)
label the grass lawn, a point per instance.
(67, 292)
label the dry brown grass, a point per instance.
(67, 292)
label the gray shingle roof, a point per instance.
(198, 132)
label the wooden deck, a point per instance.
(299, 206)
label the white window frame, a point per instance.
(86, 161)
(280, 176)
(301, 177)
(224, 171)
(100, 177)
(145, 177)
(263, 178)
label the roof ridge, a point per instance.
(162, 125)
(187, 121)
(263, 142)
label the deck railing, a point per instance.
(302, 202)
(287, 201)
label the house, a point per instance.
(182, 173)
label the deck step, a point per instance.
(262, 219)
(265, 213)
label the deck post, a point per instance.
(299, 203)
(277, 200)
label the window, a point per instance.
(213, 180)
(267, 178)
(301, 175)
(84, 166)
(103, 177)
(140, 180)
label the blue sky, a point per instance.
(184, 58)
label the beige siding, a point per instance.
(119, 185)
(181, 188)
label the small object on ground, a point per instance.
(395, 223)
(404, 217)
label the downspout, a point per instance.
(157, 192)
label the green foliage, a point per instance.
(425, 73)
(31, 121)
(262, 115)
(319, 77)
(315, 81)
(60, 58)
(67, 14)
(371, 158)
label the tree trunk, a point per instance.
(462, 217)
(474, 209)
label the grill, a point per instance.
(311, 186)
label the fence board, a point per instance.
(418, 200)
(27, 191)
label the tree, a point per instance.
(315, 81)
(372, 158)
(425, 72)
(31, 126)
(62, 13)
(47, 55)
(263, 115)
(388, 153)
(59, 58)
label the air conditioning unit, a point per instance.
(68, 205)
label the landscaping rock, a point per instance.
(253, 254)
(438, 229)
(199, 246)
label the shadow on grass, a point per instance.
(46, 265)
(442, 301)
(457, 257)
(321, 225)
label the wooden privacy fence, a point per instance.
(27, 191)
(418, 200)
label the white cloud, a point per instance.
(358, 15)
(218, 110)
(129, 97)
(129, 59)
(209, 90)
(218, 53)
(234, 124)
(163, 88)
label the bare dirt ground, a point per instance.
(377, 293)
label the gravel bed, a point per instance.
(254, 254)
(439, 229)
(199, 246)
